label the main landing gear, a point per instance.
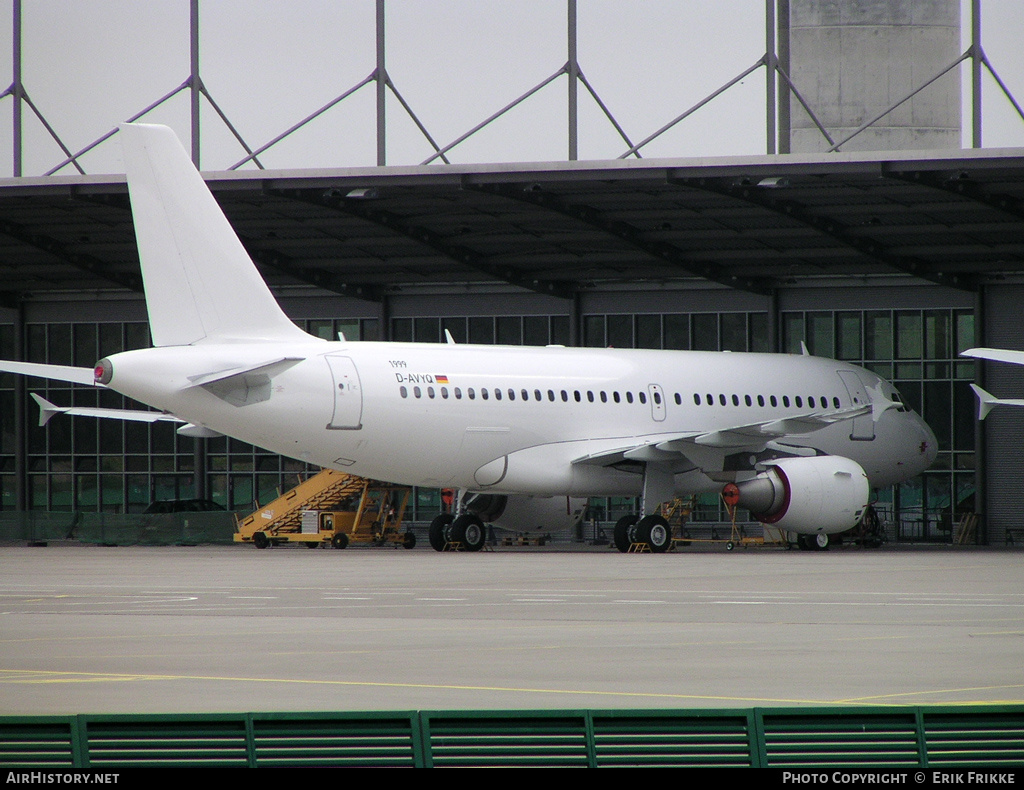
(651, 531)
(463, 533)
(818, 542)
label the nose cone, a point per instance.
(928, 445)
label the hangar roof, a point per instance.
(753, 223)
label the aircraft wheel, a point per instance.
(625, 532)
(440, 531)
(340, 540)
(260, 540)
(730, 546)
(655, 532)
(409, 540)
(805, 542)
(311, 545)
(469, 530)
(820, 541)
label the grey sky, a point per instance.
(88, 64)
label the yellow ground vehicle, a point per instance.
(331, 508)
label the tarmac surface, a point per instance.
(88, 629)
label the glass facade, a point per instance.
(919, 351)
(118, 467)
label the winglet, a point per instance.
(988, 401)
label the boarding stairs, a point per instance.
(321, 492)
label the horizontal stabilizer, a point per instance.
(47, 410)
(987, 401)
(53, 372)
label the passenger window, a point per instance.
(615, 397)
(642, 396)
(497, 393)
(799, 402)
(696, 399)
(472, 393)
(416, 391)
(483, 393)
(735, 400)
(629, 397)
(835, 402)
(774, 401)
(551, 395)
(430, 392)
(565, 397)
(404, 392)
(760, 400)
(657, 398)
(604, 396)
(458, 394)
(810, 401)
(444, 393)
(711, 399)
(679, 399)
(511, 394)
(785, 401)
(722, 400)
(576, 395)
(590, 396)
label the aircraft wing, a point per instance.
(701, 447)
(996, 355)
(56, 372)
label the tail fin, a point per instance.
(200, 282)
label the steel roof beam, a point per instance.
(622, 231)
(86, 263)
(773, 200)
(363, 209)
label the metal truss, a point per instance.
(777, 81)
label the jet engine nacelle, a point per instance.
(527, 513)
(806, 495)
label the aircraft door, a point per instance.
(348, 394)
(657, 402)
(864, 426)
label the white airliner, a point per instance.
(519, 431)
(987, 401)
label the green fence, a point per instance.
(865, 738)
(158, 529)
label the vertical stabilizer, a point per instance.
(200, 282)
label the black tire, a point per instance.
(409, 540)
(260, 540)
(820, 541)
(339, 541)
(625, 532)
(440, 531)
(655, 532)
(469, 530)
(730, 546)
(311, 545)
